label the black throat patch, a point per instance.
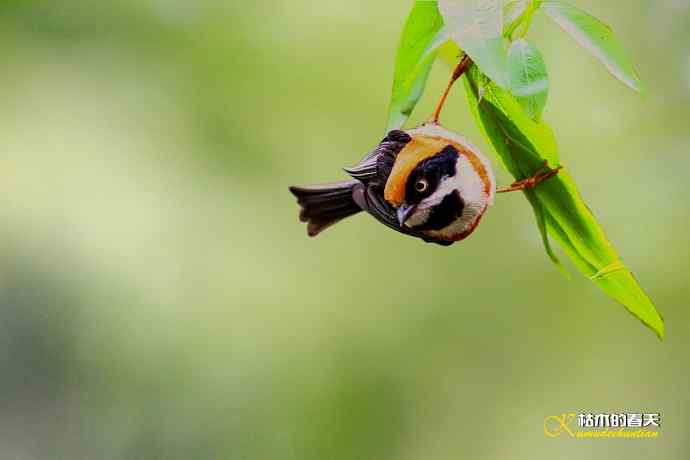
(444, 213)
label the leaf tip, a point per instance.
(660, 329)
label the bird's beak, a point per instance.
(404, 213)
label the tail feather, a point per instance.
(325, 205)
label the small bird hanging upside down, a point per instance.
(426, 182)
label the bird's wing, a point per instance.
(372, 202)
(377, 165)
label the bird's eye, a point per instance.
(422, 185)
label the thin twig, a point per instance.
(462, 67)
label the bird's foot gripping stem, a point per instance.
(530, 182)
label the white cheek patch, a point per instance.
(475, 198)
(471, 184)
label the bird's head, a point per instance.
(440, 184)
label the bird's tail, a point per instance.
(325, 205)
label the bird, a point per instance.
(427, 182)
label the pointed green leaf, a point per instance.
(527, 77)
(596, 37)
(540, 216)
(477, 27)
(518, 13)
(414, 60)
(523, 145)
(513, 11)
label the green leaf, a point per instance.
(513, 13)
(597, 38)
(527, 77)
(540, 216)
(414, 60)
(513, 10)
(477, 27)
(523, 145)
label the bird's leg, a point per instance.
(463, 65)
(529, 183)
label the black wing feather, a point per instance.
(377, 165)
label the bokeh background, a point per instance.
(159, 299)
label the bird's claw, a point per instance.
(530, 182)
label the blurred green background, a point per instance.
(160, 300)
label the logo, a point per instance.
(603, 425)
